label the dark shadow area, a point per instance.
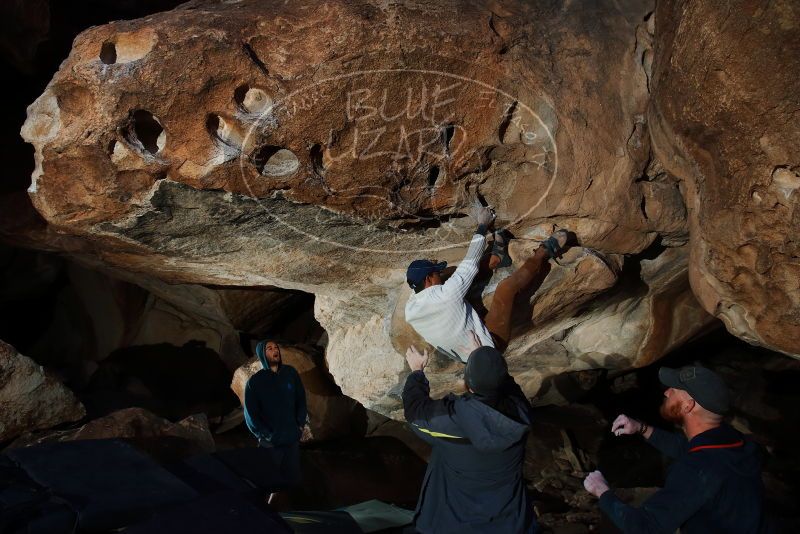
(349, 471)
(170, 381)
(292, 323)
(29, 289)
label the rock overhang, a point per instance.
(323, 148)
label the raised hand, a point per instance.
(481, 214)
(416, 360)
(625, 426)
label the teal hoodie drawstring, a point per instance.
(247, 419)
(261, 355)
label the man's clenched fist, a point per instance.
(595, 483)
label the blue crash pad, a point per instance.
(214, 514)
(108, 483)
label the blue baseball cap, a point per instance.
(420, 269)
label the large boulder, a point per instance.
(309, 147)
(512, 99)
(724, 120)
(162, 439)
(31, 397)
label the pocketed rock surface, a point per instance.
(323, 147)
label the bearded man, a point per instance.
(714, 483)
(275, 412)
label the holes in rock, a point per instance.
(145, 132)
(447, 136)
(275, 161)
(225, 131)
(630, 279)
(108, 53)
(127, 47)
(786, 180)
(212, 124)
(433, 175)
(501, 132)
(317, 161)
(254, 58)
(218, 128)
(118, 152)
(252, 99)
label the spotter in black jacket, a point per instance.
(474, 479)
(714, 485)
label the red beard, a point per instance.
(671, 412)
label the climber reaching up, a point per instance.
(437, 309)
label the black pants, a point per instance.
(286, 462)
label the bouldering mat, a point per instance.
(313, 522)
(214, 514)
(108, 483)
(374, 516)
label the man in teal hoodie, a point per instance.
(275, 411)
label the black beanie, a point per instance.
(486, 371)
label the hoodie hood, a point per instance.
(262, 357)
(486, 428)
